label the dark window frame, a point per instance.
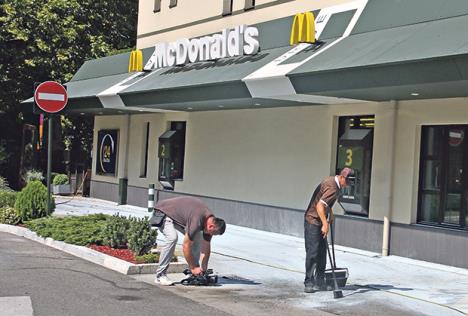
(173, 3)
(157, 6)
(227, 7)
(249, 5)
(444, 170)
(174, 126)
(144, 170)
(358, 123)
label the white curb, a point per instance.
(89, 254)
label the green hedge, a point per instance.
(60, 179)
(116, 231)
(7, 198)
(77, 230)
(31, 202)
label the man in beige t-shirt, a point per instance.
(191, 217)
(316, 227)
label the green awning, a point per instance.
(429, 58)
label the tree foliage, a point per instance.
(49, 40)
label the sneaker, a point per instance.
(163, 280)
(308, 288)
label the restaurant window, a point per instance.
(144, 151)
(249, 5)
(157, 6)
(171, 153)
(355, 144)
(443, 184)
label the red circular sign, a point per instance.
(51, 96)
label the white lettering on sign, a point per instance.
(241, 40)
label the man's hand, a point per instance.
(196, 271)
(325, 229)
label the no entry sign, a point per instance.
(51, 96)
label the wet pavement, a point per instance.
(261, 273)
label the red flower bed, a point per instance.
(124, 254)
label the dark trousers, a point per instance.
(316, 254)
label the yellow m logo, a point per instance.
(136, 61)
(303, 28)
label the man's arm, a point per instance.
(323, 218)
(187, 249)
(205, 254)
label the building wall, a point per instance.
(257, 168)
(195, 18)
(265, 156)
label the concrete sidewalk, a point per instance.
(256, 267)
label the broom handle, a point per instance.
(333, 245)
(335, 284)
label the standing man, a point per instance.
(194, 220)
(316, 227)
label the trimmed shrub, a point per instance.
(115, 233)
(60, 179)
(151, 258)
(140, 236)
(33, 175)
(4, 184)
(9, 215)
(76, 230)
(147, 258)
(31, 202)
(7, 198)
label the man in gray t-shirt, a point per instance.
(191, 217)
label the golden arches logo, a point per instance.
(303, 28)
(135, 62)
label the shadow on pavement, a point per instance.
(234, 279)
(361, 289)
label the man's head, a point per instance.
(215, 226)
(346, 177)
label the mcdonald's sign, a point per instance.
(136, 61)
(303, 28)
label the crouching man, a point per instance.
(191, 217)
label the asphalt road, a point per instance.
(36, 279)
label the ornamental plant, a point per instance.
(148, 258)
(140, 236)
(60, 179)
(31, 202)
(115, 232)
(8, 215)
(76, 230)
(7, 198)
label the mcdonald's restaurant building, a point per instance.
(249, 104)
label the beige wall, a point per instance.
(277, 156)
(170, 22)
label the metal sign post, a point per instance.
(50, 97)
(49, 161)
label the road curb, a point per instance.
(91, 255)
